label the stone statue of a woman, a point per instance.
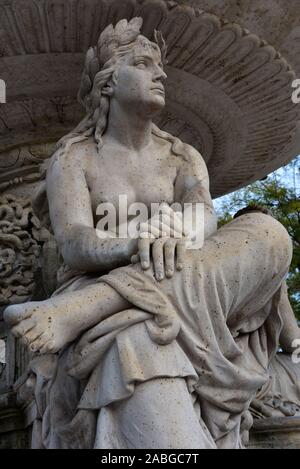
(147, 344)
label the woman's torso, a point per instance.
(147, 178)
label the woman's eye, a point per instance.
(141, 65)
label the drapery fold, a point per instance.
(216, 324)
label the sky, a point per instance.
(289, 176)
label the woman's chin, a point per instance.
(157, 105)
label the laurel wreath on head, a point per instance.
(110, 41)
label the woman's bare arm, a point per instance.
(72, 220)
(192, 187)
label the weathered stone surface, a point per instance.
(148, 335)
(218, 103)
(280, 397)
(275, 21)
(244, 127)
(19, 251)
(2, 352)
(276, 433)
(12, 432)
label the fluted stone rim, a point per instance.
(228, 93)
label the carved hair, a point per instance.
(100, 64)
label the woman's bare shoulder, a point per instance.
(194, 159)
(188, 157)
(70, 159)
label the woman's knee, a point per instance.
(276, 236)
(161, 414)
(268, 231)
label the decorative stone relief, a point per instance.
(23, 165)
(126, 349)
(20, 250)
(280, 397)
(228, 95)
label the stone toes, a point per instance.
(17, 313)
(37, 344)
(49, 347)
(31, 336)
(20, 329)
(10, 315)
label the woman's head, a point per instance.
(119, 48)
(125, 66)
(137, 82)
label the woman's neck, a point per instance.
(128, 128)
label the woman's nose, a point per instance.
(160, 74)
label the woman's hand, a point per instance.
(164, 223)
(162, 240)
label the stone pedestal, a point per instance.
(276, 433)
(13, 434)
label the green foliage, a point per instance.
(279, 192)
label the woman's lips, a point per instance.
(160, 90)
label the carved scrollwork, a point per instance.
(23, 165)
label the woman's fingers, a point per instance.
(155, 227)
(148, 229)
(164, 231)
(170, 229)
(158, 259)
(166, 253)
(167, 210)
(163, 255)
(169, 251)
(144, 252)
(177, 216)
(173, 222)
(180, 254)
(166, 223)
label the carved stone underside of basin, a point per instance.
(228, 93)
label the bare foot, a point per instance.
(47, 326)
(40, 326)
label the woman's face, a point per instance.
(139, 79)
